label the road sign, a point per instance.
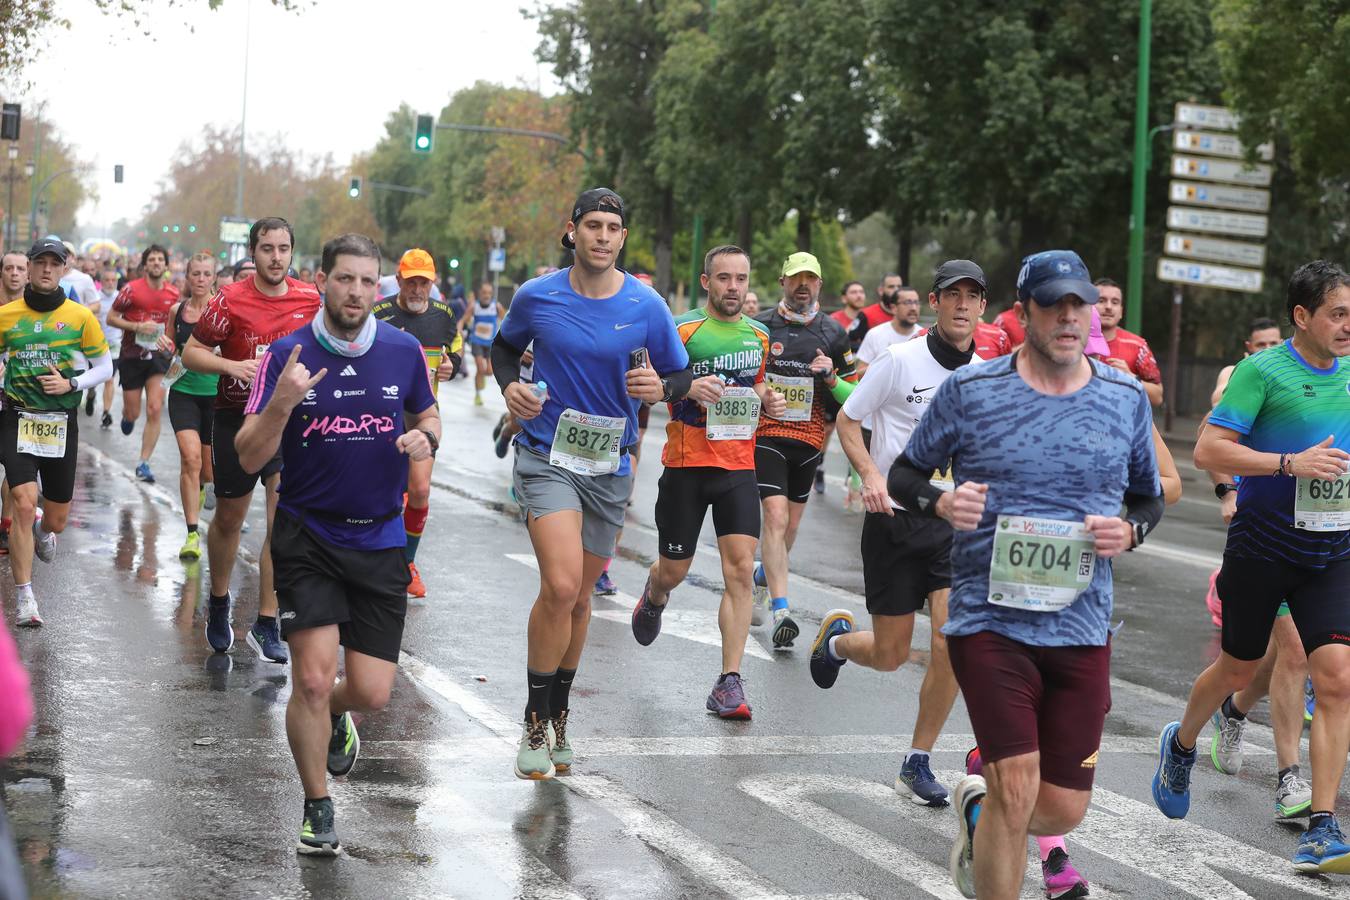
(497, 259)
(1195, 115)
(1257, 174)
(1221, 195)
(1215, 222)
(1209, 143)
(1193, 246)
(234, 231)
(1229, 278)
(498, 235)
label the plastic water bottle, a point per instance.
(540, 390)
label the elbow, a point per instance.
(1171, 489)
(1203, 456)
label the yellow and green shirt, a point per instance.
(67, 337)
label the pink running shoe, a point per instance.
(1062, 881)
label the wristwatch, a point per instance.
(431, 439)
(1220, 490)
(1140, 530)
(74, 386)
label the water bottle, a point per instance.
(540, 390)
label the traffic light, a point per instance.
(117, 174)
(192, 229)
(355, 190)
(424, 134)
(454, 262)
(9, 121)
(166, 229)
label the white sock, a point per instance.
(833, 651)
(914, 752)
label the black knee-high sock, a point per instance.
(540, 685)
(562, 689)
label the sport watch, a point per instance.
(1223, 489)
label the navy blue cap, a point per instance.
(49, 245)
(1049, 276)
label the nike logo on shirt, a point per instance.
(919, 390)
(622, 326)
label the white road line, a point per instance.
(1206, 561)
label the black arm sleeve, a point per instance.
(910, 487)
(1144, 510)
(677, 384)
(505, 361)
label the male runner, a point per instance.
(906, 557)
(808, 354)
(55, 350)
(854, 297)
(436, 329)
(1283, 424)
(108, 291)
(13, 276)
(602, 342)
(880, 312)
(340, 574)
(710, 462)
(142, 310)
(481, 320)
(751, 305)
(1129, 352)
(1010, 320)
(1030, 607)
(904, 326)
(243, 320)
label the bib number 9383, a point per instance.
(735, 416)
(1040, 565)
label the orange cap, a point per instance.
(417, 263)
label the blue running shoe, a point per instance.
(604, 587)
(961, 863)
(1172, 781)
(1323, 850)
(265, 640)
(1309, 700)
(647, 616)
(728, 698)
(127, 426)
(824, 667)
(219, 634)
(760, 580)
(917, 782)
(144, 474)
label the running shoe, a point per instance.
(497, 429)
(128, 426)
(559, 747)
(1293, 798)
(318, 837)
(88, 403)
(1323, 849)
(647, 616)
(1225, 747)
(728, 698)
(209, 497)
(1172, 781)
(824, 667)
(974, 762)
(785, 630)
(1309, 700)
(4, 542)
(961, 863)
(219, 634)
(604, 587)
(501, 445)
(106, 422)
(819, 484)
(344, 746)
(532, 758)
(27, 616)
(143, 473)
(757, 608)
(917, 782)
(44, 542)
(192, 547)
(416, 588)
(477, 399)
(265, 640)
(1062, 881)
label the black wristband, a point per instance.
(431, 439)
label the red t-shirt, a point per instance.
(139, 302)
(242, 321)
(1135, 352)
(991, 341)
(844, 317)
(1007, 320)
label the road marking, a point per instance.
(1206, 561)
(697, 625)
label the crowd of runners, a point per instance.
(1001, 468)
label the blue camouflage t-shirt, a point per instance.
(1059, 458)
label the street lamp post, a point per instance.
(9, 203)
(1134, 284)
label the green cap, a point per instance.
(801, 261)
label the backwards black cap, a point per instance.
(600, 199)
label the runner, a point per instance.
(1027, 634)
(807, 352)
(242, 320)
(1010, 320)
(906, 557)
(1129, 352)
(854, 297)
(192, 400)
(750, 307)
(55, 350)
(1283, 424)
(436, 329)
(141, 310)
(602, 342)
(13, 276)
(340, 572)
(710, 462)
(869, 317)
(108, 295)
(481, 321)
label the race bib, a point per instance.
(587, 444)
(176, 371)
(1321, 504)
(799, 392)
(1040, 565)
(735, 416)
(150, 341)
(42, 434)
(483, 330)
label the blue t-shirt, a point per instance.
(582, 347)
(1053, 457)
(341, 464)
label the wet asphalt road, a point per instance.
(159, 769)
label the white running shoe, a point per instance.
(27, 615)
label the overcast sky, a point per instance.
(325, 77)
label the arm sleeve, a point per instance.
(1146, 511)
(269, 368)
(100, 370)
(841, 389)
(505, 360)
(842, 357)
(213, 326)
(911, 487)
(1242, 398)
(873, 390)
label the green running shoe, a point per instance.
(560, 748)
(344, 746)
(318, 837)
(532, 759)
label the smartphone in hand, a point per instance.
(637, 359)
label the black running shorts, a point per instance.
(905, 558)
(785, 467)
(58, 473)
(192, 412)
(134, 373)
(1251, 591)
(231, 479)
(682, 500)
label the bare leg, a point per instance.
(154, 412)
(1330, 738)
(267, 594)
(733, 615)
(938, 692)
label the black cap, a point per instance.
(954, 270)
(600, 199)
(49, 245)
(245, 263)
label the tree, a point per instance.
(65, 193)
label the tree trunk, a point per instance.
(906, 252)
(663, 244)
(803, 230)
(745, 231)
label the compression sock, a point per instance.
(414, 521)
(1046, 844)
(1230, 711)
(562, 688)
(541, 686)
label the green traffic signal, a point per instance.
(454, 262)
(424, 133)
(354, 190)
(166, 229)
